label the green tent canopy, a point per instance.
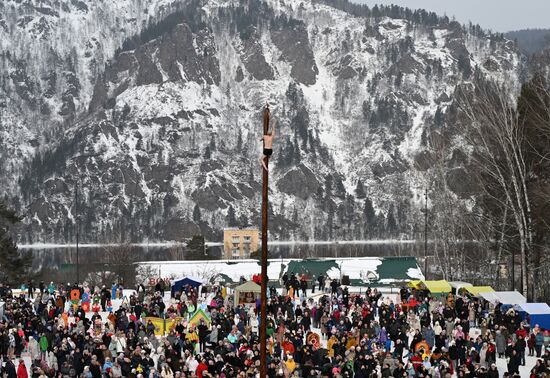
(221, 278)
(396, 268)
(311, 267)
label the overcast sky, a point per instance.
(497, 15)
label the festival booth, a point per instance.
(180, 284)
(436, 288)
(221, 279)
(415, 284)
(509, 298)
(247, 293)
(457, 286)
(199, 315)
(539, 313)
(475, 291)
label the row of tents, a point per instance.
(538, 313)
(247, 293)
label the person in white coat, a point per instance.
(254, 324)
(437, 329)
(120, 342)
(34, 349)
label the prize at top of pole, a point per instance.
(267, 115)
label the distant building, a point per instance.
(239, 243)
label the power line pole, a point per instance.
(77, 224)
(513, 269)
(263, 305)
(426, 233)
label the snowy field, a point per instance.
(356, 268)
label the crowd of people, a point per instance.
(320, 331)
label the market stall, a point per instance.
(436, 288)
(504, 297)
(475, 291)
(457, 286)
(538, 313)
(180, 284)
(247, 293)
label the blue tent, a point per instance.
(539, 313)
(180, 284)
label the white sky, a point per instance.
(497, 15)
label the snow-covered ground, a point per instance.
(356, 268)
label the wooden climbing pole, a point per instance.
(263, 306)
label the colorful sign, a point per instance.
(314, 339)
(248, 297)
(75, 295)
(172, 323)
(155, 280)
(158, 323)
(198, 316)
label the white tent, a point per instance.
(539, 314)
(457, 285)
(247, 293)
(504, 297)
(534, 308)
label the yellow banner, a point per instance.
(158, 323)
(172, 323)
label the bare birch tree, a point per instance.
(494, 130)
(120, 260)
(534, 116)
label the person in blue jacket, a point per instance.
(113, 290)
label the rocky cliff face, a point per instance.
(159, 125)
(51, 55)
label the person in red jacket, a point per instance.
(201, 368)
(22, 370)
(416, 360)
(521, 331)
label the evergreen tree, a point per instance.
(256, 255)
(330, 218)
(379, 225)
(207, 153)
(14, 265)
(239, 141)
(368, 211)
(295, 216)
(391, 223)
(339, 190)
(243, 220)
(231, 219)
(439, 117)
(465, 66)
(212, 144)
(196, 214)
(328, 185)
(360, 190)
(196, 248)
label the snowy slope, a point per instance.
(169, 147)
(52, 53)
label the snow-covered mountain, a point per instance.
(51, 55)
(153, 108)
